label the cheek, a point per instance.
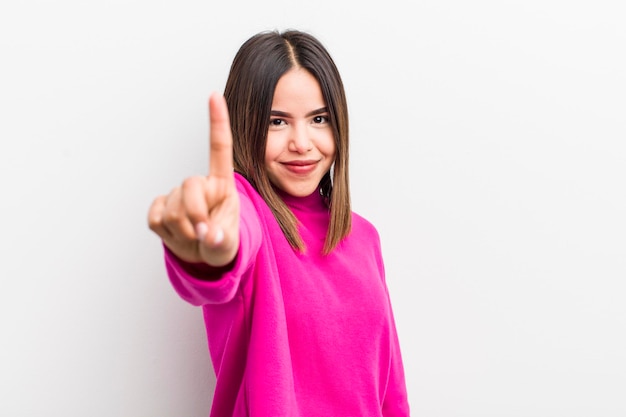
(329, 148)
(270, 154)
(272, 147)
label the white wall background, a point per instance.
(488, 146)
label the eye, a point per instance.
(320, 119)
(277, 122)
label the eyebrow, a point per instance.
(309, 114)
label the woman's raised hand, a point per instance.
(199, 220)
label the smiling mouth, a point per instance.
(300, 163)
(300, 167)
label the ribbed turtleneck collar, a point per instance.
(313, 202)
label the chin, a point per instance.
(298, 190)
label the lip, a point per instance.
(300, 166)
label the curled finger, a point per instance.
(175, 217)
(155, 217)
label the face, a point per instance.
(300, 146)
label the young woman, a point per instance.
(290, 280)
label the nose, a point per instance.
(300, 140)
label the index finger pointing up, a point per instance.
(220, 138)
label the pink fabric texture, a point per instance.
(298, 334)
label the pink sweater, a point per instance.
(298, 334)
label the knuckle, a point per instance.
(190, 183)
(155, 213)
(172, 216)
(154, 223)
(194, 205)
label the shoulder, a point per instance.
(251, 202)
(363, 223)
(243, 185)
(363, 228)
(363, 244)
(248, 192)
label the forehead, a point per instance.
(297, 89)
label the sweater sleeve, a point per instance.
(223, 284)
(395, 402)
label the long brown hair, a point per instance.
(249, 92)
